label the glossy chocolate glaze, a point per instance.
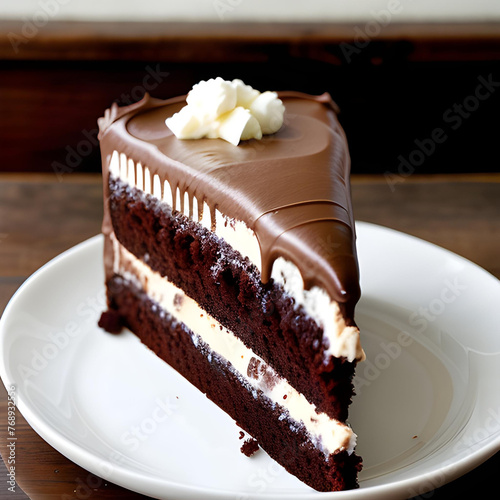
(291, 188)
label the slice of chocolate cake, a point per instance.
(231, 254)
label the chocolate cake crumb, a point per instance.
(255, 369)
(249, 447)
(178, 300)
(242, 435)
(111, 321)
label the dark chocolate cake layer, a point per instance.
(172, 342)
(208, 270)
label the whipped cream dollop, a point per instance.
(233, 111)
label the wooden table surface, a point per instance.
(41, 216)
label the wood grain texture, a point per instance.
(238, 41)
(463, 217)
(40, 217)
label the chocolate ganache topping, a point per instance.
(291, 188)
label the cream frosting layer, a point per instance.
(326, 433)
(342, 340)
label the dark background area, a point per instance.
(394, 92)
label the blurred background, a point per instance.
(417, 81)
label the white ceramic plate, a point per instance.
(427, 409)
